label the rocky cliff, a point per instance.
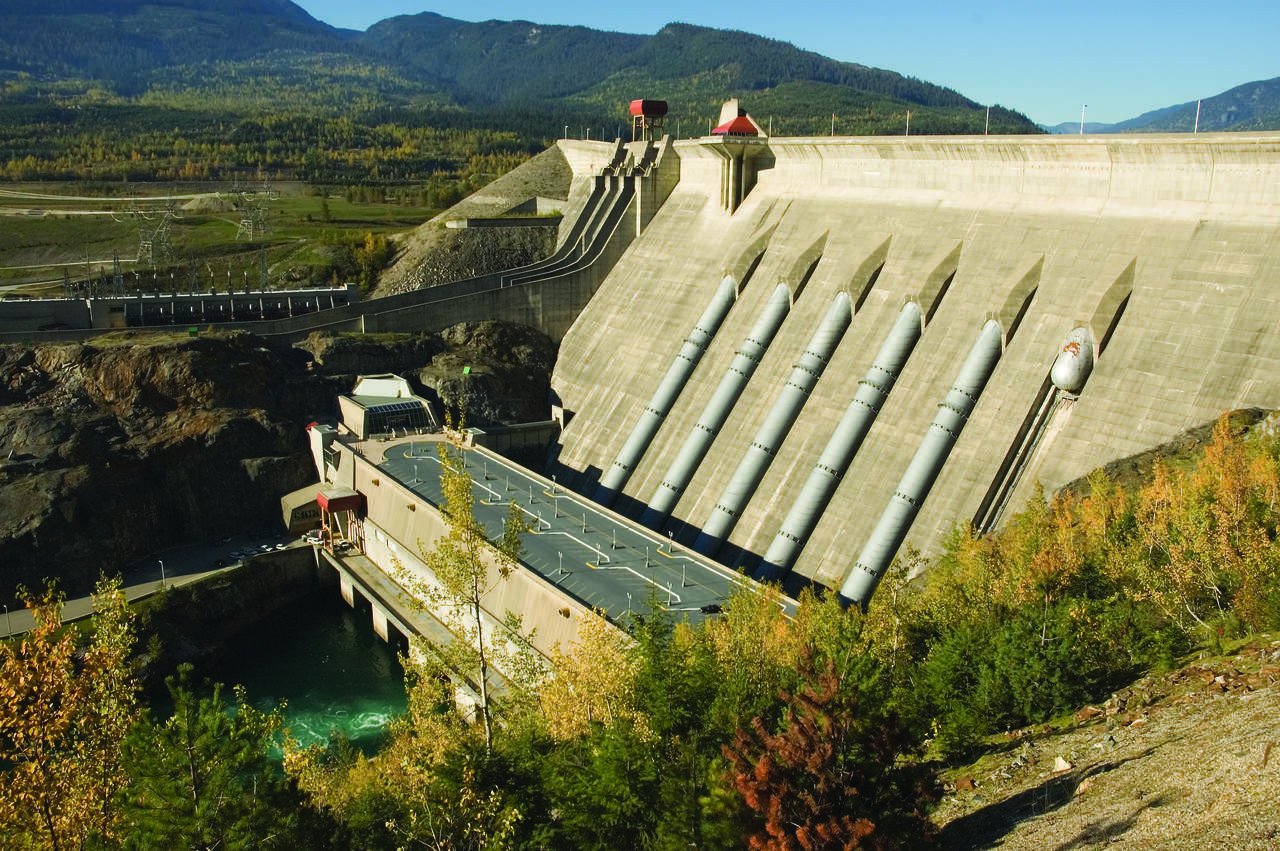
(117, 449)
(485, 373)
(130, 444)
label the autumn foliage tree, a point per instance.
(465, 565)
(830, 776)
(63, 718)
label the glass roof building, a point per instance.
(385, 405)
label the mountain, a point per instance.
(271, 53)
(124, 42)
(498, 61)
(1069, 128)
(1251, 106)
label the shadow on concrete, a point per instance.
(584, 483)
(985, 827)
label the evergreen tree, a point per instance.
(204, 778)
(829, 777)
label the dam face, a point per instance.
(1159, 254)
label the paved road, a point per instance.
(182, 565)
(601, 558)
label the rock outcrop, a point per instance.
(121, 447)
(509, 379)
(484, 373)
(114, 450)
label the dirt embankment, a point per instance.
(1188, 759)
(433, 254)
(115, 449)
(456, 255)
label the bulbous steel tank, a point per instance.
(1071, 368)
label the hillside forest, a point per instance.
(826, 730)
(126, 100)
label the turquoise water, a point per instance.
(323, 659)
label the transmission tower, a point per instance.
(153, 232)
(255, 222)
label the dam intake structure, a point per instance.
(1122, 289)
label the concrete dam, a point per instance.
(818, 349)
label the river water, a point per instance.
(323, 659)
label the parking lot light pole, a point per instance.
(8, 626)
(161, 574)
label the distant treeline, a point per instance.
(139, 143)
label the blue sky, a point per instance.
(1046, 59)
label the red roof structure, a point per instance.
(340, 499)
(740, 126)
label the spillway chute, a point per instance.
(952, 414)
(845, 441)
(691, 351)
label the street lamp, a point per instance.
(1082, 108)
(8, 627)
(161, 574)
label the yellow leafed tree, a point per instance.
(62, 722)
(593, 683)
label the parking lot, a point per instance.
(592, 554)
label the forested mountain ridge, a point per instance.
(125, 42)
(267, 51)
(1249, 106)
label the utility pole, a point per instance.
(986, 128)
(1197, 127)
(908, 133)
(1082, 109)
